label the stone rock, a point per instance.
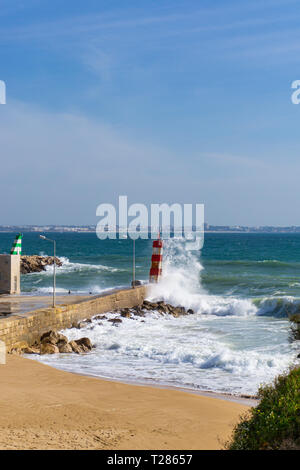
(170, 309)
(100, 317)
(35, 263)
(85, 344)
(16, 351)
(31, 350)
(81, 345)
(139, 314)
(75, 347)
(190, 311)
(62, 338)
(147, 305)
(52, 337)
(115, 321)
(163, 308)
(178, 311)
(49, 337)
(81, 324)
(154, 305)
(48, 348)
(136, 283)
(126, 314)
(64, 347)
(20, 345)
(151, 305)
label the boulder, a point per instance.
(64, 347)
(190, 311)
(31, 350)
(48, 348)
(153, 305)
(126, 314)
(85, 344)
(81, 345)
(35, 263)
(147, 305)
(115, 321)
(100, 317)
(81, 324)
(75, 347)
(178, 311)
(16, 351)
(163, 308)
(150, 305)
(52, 337)
(20, 345)
(139, 313)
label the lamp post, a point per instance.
(54, 264)
(133, 265)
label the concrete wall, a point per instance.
(28, 328)
(9, 274)
(2, 353)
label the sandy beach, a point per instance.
(44, 408)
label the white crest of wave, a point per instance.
(69, 266)
(192, 351)
(278, 306)
(180, 284)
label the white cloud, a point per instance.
(59, 167)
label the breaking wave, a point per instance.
(231, 344)
(181, 285)
(68, 266)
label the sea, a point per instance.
(241, 286)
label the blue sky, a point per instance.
(162, 101)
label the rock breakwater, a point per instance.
(36, 263)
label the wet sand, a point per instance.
(45, 408)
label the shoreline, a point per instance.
(45, 408)
(247, 400)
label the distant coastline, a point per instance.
(92, 228)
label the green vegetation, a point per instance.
(275, 422)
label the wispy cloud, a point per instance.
(219, 16)
(236, 160)
(231, 31)
(74, 161)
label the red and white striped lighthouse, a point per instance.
(156, 260)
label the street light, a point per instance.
(54, 264)
(133, 265)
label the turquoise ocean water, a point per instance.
(241, 287)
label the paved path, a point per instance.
(19, 304)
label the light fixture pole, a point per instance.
(54, 265)
(133, 265)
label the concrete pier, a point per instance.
(25, 327)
